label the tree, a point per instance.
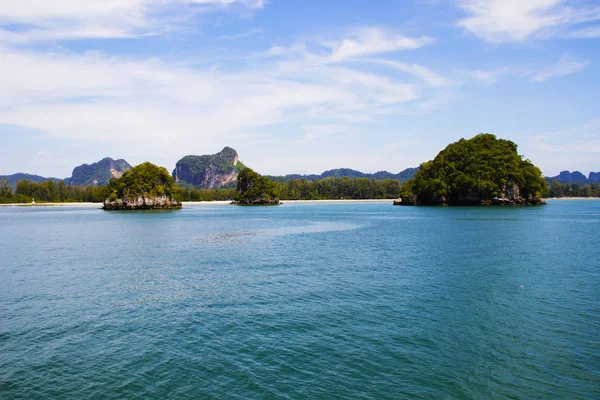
(145, 179)
(480, 168)
(253, 188)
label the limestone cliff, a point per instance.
(99, 173)
(209, 171)
(143, 202)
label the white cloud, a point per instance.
(369, 41)
(565, 66)
(431, 78)
(42, 20)
(501, 21)
(153, 107)
(592, 32)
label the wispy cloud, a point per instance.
(152, 106)
(501, 21)
(431, 78)
(41, 20)
(371, 40)
(565, 66)
(565, 149)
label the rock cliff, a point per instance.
(142, 203)
(99, 173)
(209, 171)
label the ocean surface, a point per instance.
(302, 301)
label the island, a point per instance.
(255, 190)
(483, 170)
(144, 187)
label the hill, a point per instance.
(209, 171)
(574, 177)
(348, 173)
(14, 178)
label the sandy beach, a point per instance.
(52, 205)
(572, 198)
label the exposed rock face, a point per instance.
(257, 202)
(209, 171)
(99, 173)
(594, 177)
(142, 203)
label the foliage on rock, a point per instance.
(145, 179)
(475, 170)
(254, 189)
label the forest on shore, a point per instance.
(293, 189)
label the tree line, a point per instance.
(49, 191)
(294, 189)
(558, 189)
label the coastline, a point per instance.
(227, 202)
(571, 198)
(51, 205)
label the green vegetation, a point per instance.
(302, 189)
(558, 189)
(145, 179)
(475, 170)
(254, 189)
(48, 191)
(339, 188)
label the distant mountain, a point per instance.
(574, 177)
(349, 173)
(14, 178)
(99, 173)
(209, 171)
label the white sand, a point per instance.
(54, 204)
(572, 198)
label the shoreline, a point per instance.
(85, 204)
(227, 202)
(570, 198)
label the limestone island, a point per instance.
(482, 170)
(255, 190)
(144, 187)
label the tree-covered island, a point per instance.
(144, 187)
(482, 170)
(255, 190)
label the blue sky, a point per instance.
(296, 86)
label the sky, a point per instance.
(296, 86)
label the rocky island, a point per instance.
(482, 170)
(144, 187)
(255, 190)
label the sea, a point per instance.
(301, 301)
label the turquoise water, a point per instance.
(302, 301)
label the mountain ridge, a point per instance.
(402, 176)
